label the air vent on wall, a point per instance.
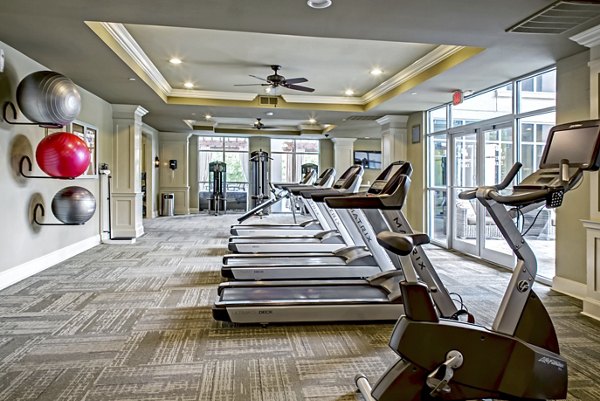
(363, 118)
(558, 17)
(268, 100)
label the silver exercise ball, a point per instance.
(48, 97)
(73, 205)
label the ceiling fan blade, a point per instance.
(252, 85)
(257, 77)
(295, 81)
(299, 88)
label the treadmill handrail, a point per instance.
(382, 201)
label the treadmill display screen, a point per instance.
(577, 145)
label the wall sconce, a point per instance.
(156, 162)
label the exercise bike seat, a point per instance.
(401, 244)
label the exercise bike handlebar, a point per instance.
(512, 173)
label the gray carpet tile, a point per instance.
(133, 322)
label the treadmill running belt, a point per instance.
(300, 295)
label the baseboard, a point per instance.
(17, 273)
(568, 287)
(591, 308)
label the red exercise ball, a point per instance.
(63, 154)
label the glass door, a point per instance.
(464, 176)
(498, 155)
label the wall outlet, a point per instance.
(1, 60)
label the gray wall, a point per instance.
(20, 240)
(572, 104)
(325, 154)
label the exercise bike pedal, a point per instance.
(438, 380)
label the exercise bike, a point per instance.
(518, 357)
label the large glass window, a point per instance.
(288, 156)
(234, 152)
(537, 92)
(506, 123)
(483, 106)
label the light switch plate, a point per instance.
(1, 60)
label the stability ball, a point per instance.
(63, 154)
(48, 97)
(73, 205)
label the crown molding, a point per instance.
(198, 94)
(122, 36)
(432, 58)
(395, 121)
(323, 99)
(589, 38)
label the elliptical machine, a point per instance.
(518, 357)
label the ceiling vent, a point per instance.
(363, 118)
(268, 100)
(558, 17)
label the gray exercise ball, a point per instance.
(48, 97)
(73, 205)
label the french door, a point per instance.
(482, 155)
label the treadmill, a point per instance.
(325, 180)
(377, 298)
(348, 262)
(326, 241)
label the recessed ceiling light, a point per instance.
(188, 85)
(349, 92)
(376, 71)
(367, 137)
(413, 93)
(269, 113)
(175, 61)
(319, 3)
(312, 120)
(208, 116)
(132, 79)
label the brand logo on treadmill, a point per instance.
(399, 225)
(523, 286)
(361, 225)
(552, 362)
(265, 312)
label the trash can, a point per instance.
(167, 207)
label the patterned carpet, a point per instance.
(133, 322)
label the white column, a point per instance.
(591, 302)
(126, 194)
(343, 154)
(394, 138)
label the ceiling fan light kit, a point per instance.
(319, 3)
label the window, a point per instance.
(231, 150)
(537, 92)
(506, 123)
(288, 157)
(482, 106)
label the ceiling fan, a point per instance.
(259, 125)
(275, 80)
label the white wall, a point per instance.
(572, 104)
(25, 247)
